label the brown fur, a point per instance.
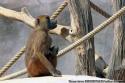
(39, 41)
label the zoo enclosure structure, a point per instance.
(68, 48)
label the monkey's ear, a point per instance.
(37, 21)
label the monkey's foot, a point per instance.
(57, 73)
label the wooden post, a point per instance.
(117, 64)
(81, 23)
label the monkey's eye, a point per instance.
(37, 21)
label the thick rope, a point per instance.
(14, 75)
(11, 62)
(84, 38)
(59, 10)
(93, 32)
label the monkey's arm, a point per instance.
(48, 65)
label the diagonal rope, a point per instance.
(93, 32)
(11, 61)
(59, 10)
(14, 75)
(79, 41)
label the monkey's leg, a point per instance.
(48, 65)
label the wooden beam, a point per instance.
(99, 10)
(81, 23)
(117, 61)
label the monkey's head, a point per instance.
(45, 22)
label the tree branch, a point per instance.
(25, 17)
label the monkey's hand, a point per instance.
(53, 50)
(57, 73)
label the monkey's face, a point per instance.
(45, 22)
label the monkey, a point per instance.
(40, 55)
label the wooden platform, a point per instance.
(63, 79)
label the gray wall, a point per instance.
(13, 34)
